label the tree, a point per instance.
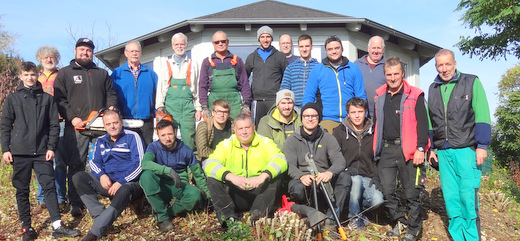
(9, 64)
(501, 17)
(506, 135)
(7, 40)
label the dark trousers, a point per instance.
(341, 183)
(146, 131)
(22, 173)
(229, 199)
(76, 153)
(88, 186)
(391, 166)
(260, 109)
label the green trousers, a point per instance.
(460, 181)
(161, 193)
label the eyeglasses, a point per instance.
(310, 117)
(219, 112)
(220, 42)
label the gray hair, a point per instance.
(180, 35)
(376, 37)
(45, 50)
(133, 42)
(445, 52)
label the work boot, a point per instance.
(166, 226)
(29, 234)
(409, 237)
(90, 237)
(64, 231)
(396, 231)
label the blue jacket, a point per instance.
(120, 162)
(373, 79)
(336, 87)
(295, 78)
(136, 100)
(178, 159)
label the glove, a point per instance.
(176, 178)
(206, 113)
(352, 171)
(375, 181)
(244, 109)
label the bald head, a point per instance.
(376, 49)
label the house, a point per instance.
(241, 24)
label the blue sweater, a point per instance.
(136, 99)
(295, 78)
(178, 159)
(121, 162)
(336, 87)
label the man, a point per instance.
(166, 176)
(223, 76)
(297, 74)
(312, 148)
(355, 138)
(244, 173)
(282, 120)
(79, 89)
(177, 89)
(215, 129)
(461, 141)
(333, 82)
(29, 134)
(371, 66)
(267, 66)
(116, 167)
(49, 57)
(285, 44)
(135, 86)
(400, 141)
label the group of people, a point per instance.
(358, 128)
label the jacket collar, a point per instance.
(344, 61)
(455, 78)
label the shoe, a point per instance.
(39, 208)
(75, 211)
(409, 237)
(29, 234)
(166, 226)
(90, 237)
(396, 231)
(256, 215)
(357, 224)
(64, 231)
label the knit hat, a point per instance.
(284, 94)
(262, 30)
(314, 106)
(85, 42)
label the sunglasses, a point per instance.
(220, 41)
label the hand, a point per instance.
(240, 182)
(433, 156)
(113, 189)
(112, 107)
(205, 113)
(176, 178)
(375, 181)
(418, 157)
(323, 177)
(307, 180)
(77, 122)
(49, 155)
(7, 157)
(255, 182)
(106, 183)
(198, 114)
(481, 156)
(245, 110)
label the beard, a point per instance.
(84, 62)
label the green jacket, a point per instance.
(262, 156)
(276, 130)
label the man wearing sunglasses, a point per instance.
(223, 76)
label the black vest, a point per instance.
(457, 126)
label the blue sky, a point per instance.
(40, 23)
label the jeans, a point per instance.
(363, 196)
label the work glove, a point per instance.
(206, 113)
(375, 181)
(352, 171)
(244, 109)
(176, 178)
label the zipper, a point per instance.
(339, 90)
(445, 115)
(247, 162)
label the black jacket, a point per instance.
(29, 124)
(357, 149)
(79, 90)
(267, 76)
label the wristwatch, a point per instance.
(421, 149)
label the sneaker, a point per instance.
(90, 237)
(396, 231)
(75, 211)
(29, 234)
(357, 224)
(64, 231)
(409, 237)
(166, 226)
